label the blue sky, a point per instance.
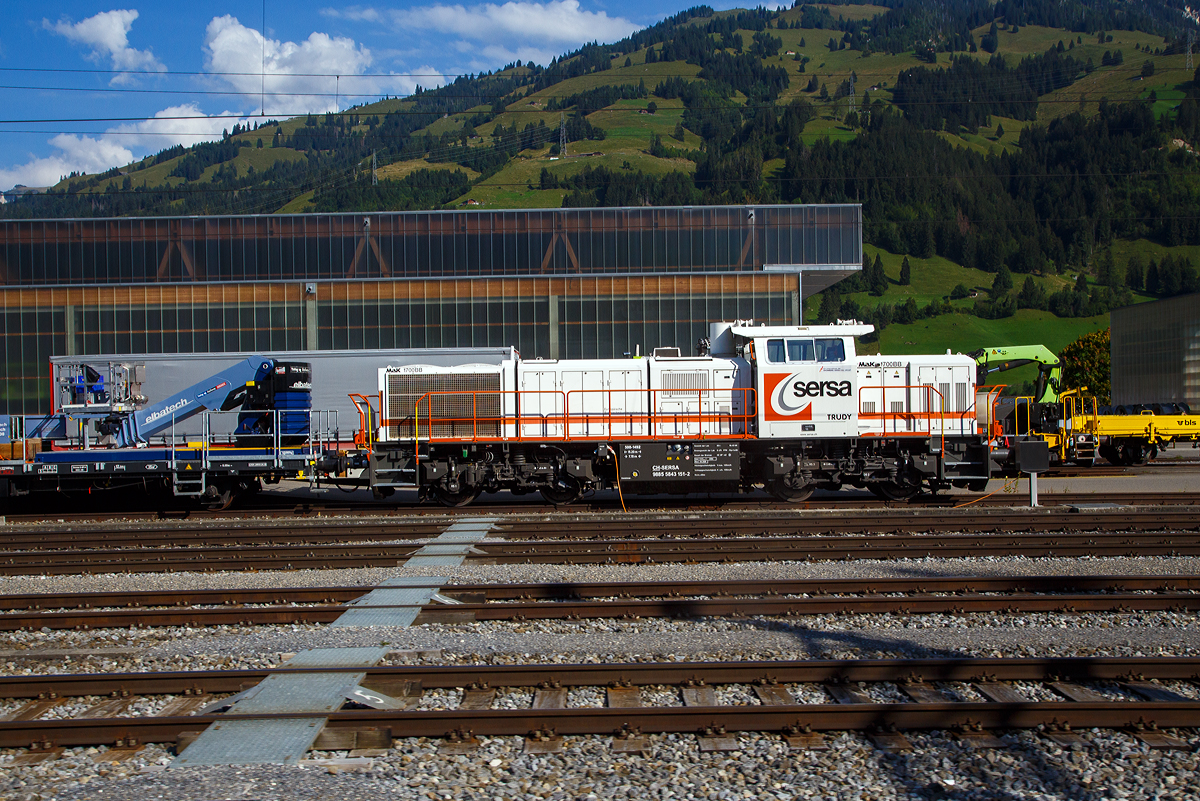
(88, 85)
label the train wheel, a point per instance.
(1111, 453)
(218, 498)
(562, 491)
(789, 494)
(977, 484)
(462, 497)
(1133, 454)
(893, 491)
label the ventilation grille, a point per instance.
(472, 395)
(942, 402)
(868, 407)
(681, 384)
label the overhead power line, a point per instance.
(1087, 97)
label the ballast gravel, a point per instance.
(1115, 766)
(1030, 767)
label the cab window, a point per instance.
(775, 352)
(800, 350)
(831, 350)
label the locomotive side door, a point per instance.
(726, 403)
(627, 403)
(585, 402)
(541, 405)
(943, 394)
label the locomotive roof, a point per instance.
(755, 331)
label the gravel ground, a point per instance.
(940, 767)
(514, 574)
(674, 768)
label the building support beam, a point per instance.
(310, 320)
(798, 301)
(69, 330)
(552, 317)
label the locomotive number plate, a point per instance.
(680, 461)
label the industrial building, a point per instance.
(1155, 349)
(562, 283)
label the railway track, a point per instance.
(264, 507)
(976, 698)
(631, 600)
(576, 525)
(708, 538)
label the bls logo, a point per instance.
(790, 396)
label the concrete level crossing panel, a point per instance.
(243, 740)
(336, 658)
(252, 742)
(454, 545)
(395, 602)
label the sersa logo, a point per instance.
(790, 395)
(821, 389)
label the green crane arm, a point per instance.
(1007, 357)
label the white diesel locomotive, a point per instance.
(786, 408)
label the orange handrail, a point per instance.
(513, 425)
(364, 437)
(910, 415)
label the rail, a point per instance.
(801, 724)
(556, 415)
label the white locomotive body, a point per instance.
(789, 408)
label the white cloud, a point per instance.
(300, 76)
(560, 22)
(297, 81)
(495, 34)
(75, 154)
(165, 130)
(119, 146)
(107, 34)
(355, 13)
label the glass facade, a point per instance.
(436, 244)
(1155, 352)
(572, 283)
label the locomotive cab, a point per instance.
(805, 377)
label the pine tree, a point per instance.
(831, 304)
(928, 243)
(877, 279)
(1032, 296)
(1003, 283)
(1105, 269)
(905, 272)
(1133, 272)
